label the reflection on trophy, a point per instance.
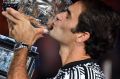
(41, 11)
(6, 55)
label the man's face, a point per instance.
(64, 22)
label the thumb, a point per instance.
(41, 30)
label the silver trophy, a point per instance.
(41, 11)
(6, 55)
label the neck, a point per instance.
(72, 53)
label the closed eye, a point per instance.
(68, 12)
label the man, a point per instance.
(84, 31)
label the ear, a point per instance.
(82, 37)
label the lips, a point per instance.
(50, 25)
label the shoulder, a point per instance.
(87, 69)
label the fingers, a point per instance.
(21, 10)
(16, 17)
(39, 30)
(13, 15)
(10, 23)
(9, 17)
(20, 27)
(34, 21)
(39, 33)
(10, 27)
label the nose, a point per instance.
(57, 18)
(51, 21)
(60, 16)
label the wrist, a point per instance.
(21, 45)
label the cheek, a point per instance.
(61, 27)
(67, 28)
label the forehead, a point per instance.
(76, 9)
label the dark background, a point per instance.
(48, 61)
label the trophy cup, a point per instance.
(41, 11)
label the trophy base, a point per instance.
(7, 54)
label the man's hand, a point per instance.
(20, 27)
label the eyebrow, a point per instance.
(68, 11)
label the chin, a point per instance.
(51, 34)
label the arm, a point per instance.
(18, 66)
(21, 29)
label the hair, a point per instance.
(102, 23)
